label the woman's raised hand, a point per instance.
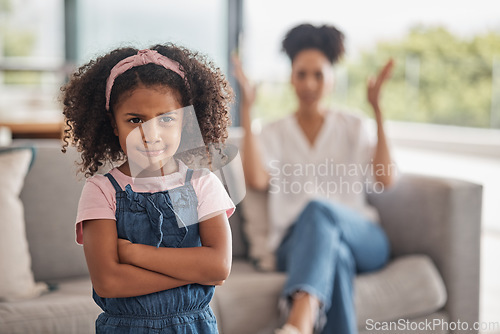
(247, 89)
(374, 85)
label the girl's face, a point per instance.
(148, 122)
(311, 76)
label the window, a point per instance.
(200, 25)
(447, 60)
(31, 58)
(41, 42)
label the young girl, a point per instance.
(156, 237)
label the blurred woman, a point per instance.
(318, 164)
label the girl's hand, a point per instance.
(124, 248)
(247, 90)
(374, 85)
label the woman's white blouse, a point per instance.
(337, 168)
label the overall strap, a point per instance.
(189, 174)
(113, 182)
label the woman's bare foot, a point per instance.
(304, 312)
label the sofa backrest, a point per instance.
(50, 197)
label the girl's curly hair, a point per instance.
(88, 125)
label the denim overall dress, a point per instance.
(150, 219)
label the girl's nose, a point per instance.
(151, 132)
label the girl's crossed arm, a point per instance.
(210, 262)
(112, 279)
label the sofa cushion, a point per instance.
(248, 301)
(16, 279)
(407, 287)
(51, 192)
(256, 229)
(378, 295)
(67, 310)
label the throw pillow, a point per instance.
(256, 229)
(16, 278)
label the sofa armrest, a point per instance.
(441, 218)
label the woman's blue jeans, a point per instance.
(321, 254)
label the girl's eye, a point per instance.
(166, 119)
(135, 120)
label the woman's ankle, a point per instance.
(304, 312)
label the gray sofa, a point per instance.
(433, 225)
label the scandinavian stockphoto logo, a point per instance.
(327, 177)
(172, 142)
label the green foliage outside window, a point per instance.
(15, 42)
(438, 78)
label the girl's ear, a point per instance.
(113, 123)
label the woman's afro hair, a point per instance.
(325, 38)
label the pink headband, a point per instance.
(142, 57)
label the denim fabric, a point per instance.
(180, 323)
(150, 219)
(321, 254)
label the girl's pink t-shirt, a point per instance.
(98, 199)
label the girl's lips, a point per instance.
(153, 153)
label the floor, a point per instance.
(485, 171)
